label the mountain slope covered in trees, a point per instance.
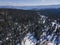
(15, 24)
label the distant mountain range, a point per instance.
(32, 7)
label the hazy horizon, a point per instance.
(28, 2)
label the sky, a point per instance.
(28, 2)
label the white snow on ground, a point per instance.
(53, 23)
(59, 44)
(27, 41)
(50, 43)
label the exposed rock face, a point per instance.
(15, 24)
